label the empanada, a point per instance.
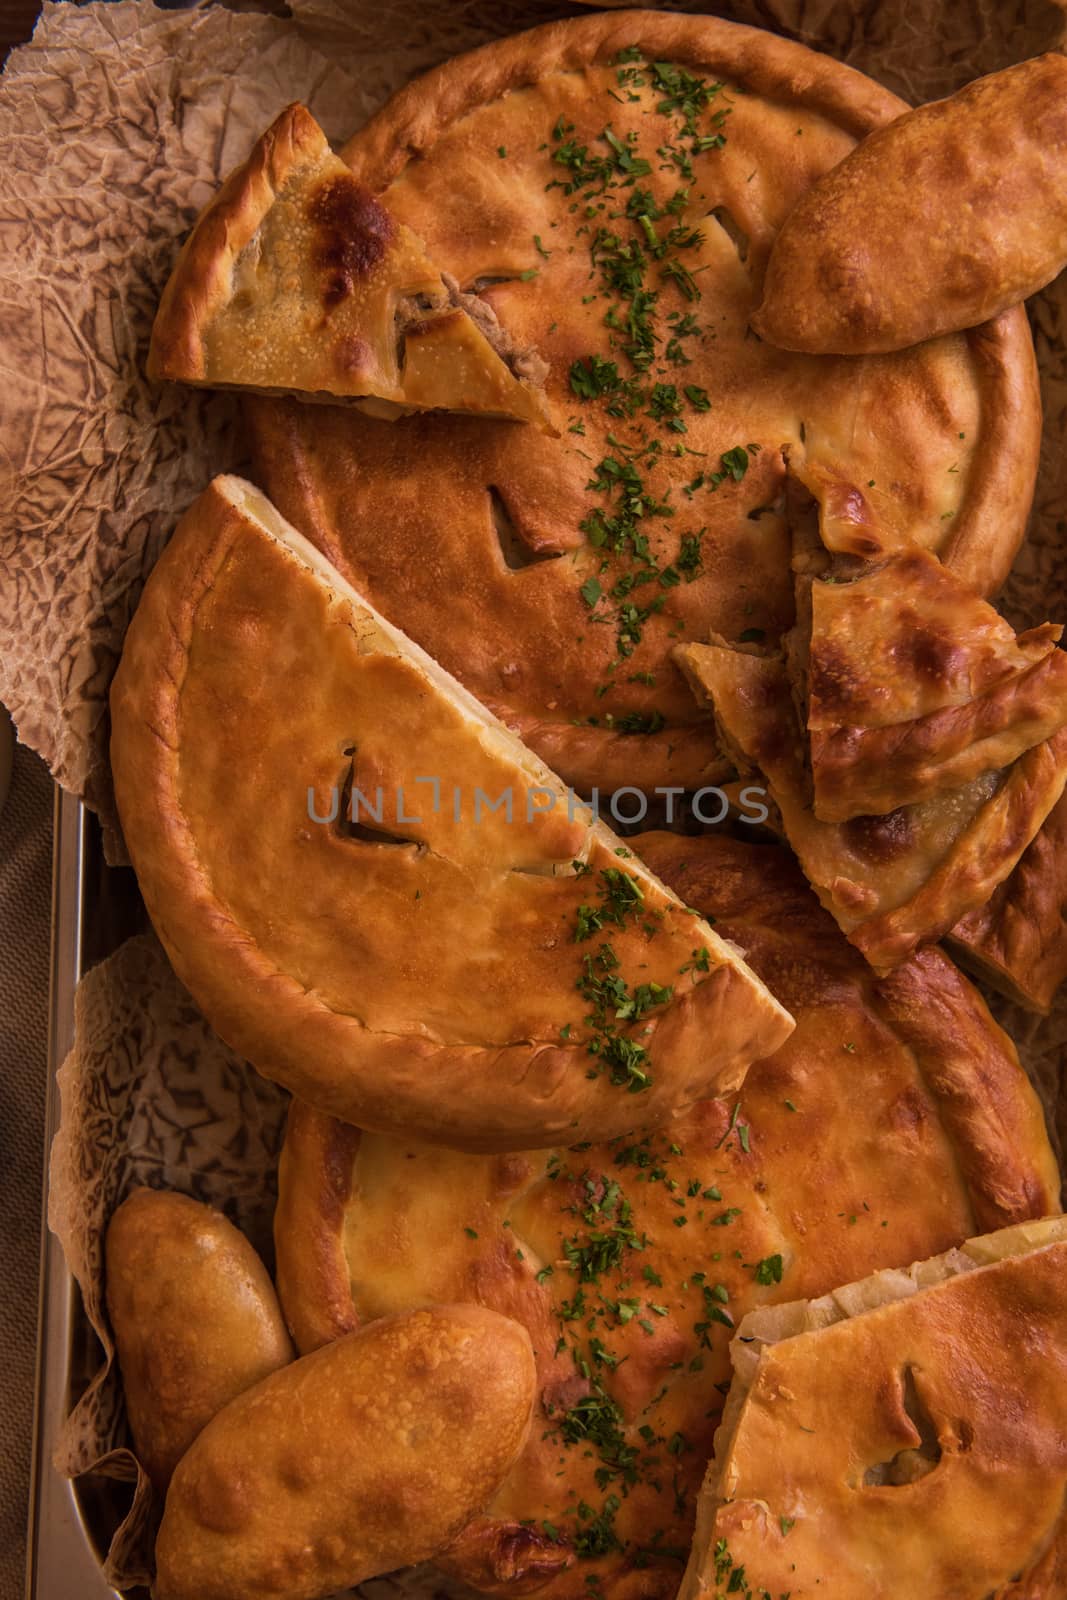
(364, 1457)
(195, 1319)
(296, 279)
(949, 216)
(893, 882)
(893, 1123)
(373, 890)
(904, 1436)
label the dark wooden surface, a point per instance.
(17, 18)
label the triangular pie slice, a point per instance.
(911, 684)
(296, 279)
(1017, 940)
(374, 891)
(904, 1436)
(892, 882)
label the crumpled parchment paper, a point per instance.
(116, 125)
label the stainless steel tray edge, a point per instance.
(61, 1562)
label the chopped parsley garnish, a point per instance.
(769, 1270)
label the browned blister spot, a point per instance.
(354, 233)
(929, 653)
(881, 839)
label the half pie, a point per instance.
(912, 685)
(893, 882)
(296, 279)
(894, 1122)
(612, 185)
(904, 1435)
(373, 890)
(1017, 940)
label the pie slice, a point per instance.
(1017, 940)
(903, 1436)
(893, 882)
(912, 684)
(295, 279)
(373, 890)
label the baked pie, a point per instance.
(909, 684)
(615, 184)
(904, 1435)
(373, 890)
(894, 1122)
(296, 279)
(951, 215)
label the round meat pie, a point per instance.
(612, 186)
(894, 1123)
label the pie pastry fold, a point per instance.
(1017, 940)
(893, 882)
(913, 685)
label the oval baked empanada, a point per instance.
(195, 1319)
(364, 1457)
(951, 215)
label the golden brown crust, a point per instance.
(946, 1024)
(424, 975)
(195, 1318)
(809, 1495)
(1017, 940)
(294, 279)
(947, 218)
(893, 882)
(412, 120)
(366, 1456)
(881, 1078)
(916, 685)
(519, 635)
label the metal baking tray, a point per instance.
(94, 907)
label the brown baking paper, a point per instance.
(116, 125)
